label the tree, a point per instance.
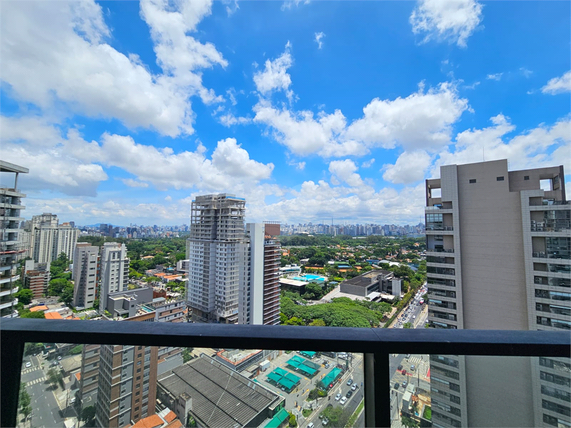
(409, 422)
(52, 376)
(76, 350)
(292, 421)
(27, 314)
(186, 354)
(407, 325)
(25, 296)
(25, 401)
(33, 348)
(57, 286)
(337, 416)
(318, 323)
(294, 321)
(67, 294)
(88, 415)
(190, 421)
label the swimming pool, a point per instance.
(309, 278)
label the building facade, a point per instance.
(127, 382)
(37, 277)
(48, 238)
(114, 270)
(11, 249)
(498, 251)
(85, 275)
(217, 251)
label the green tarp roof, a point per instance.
(303, 365)
(331, 377)
(284, 378)
(310, 354)
(278, 419)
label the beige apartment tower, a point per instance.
(498, 258)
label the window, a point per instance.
(526, 177)
(500, 178)
(472, 180)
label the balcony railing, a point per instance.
(440, 250)
(448, 228)
(376, 344)
(549, 202)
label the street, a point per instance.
(45, 410)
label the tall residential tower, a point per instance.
(114, 271)
(85, 274)
(11, 249)
(498, 257)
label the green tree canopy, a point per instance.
(25, 296)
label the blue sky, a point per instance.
(125, 111)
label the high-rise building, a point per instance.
(127, 384)
(498, 257)
(48, 238)
(11, 250)
(218, 258)
(261, 299)
(114, 271)
(85, 274)
(37, 277)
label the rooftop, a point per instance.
(220, 396)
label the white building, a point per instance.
(114, 270)
(48, 239)
(85, 274)
(218, 258)
(233, 270)
(292, 270)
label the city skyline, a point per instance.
(308, 110)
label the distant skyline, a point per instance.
(124, 112)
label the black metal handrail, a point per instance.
(376, 344)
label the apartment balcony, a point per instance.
(439, 230)
(439, 250)
(8, 292)
(563, 255)
(6, 279)
(376, 345)
(6, 303)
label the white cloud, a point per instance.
(288, 4)
(275, 76)
(168, 198)
(538, 147)
(318, 39)
(74, 166)
(346, 171)
(134, 183)
(229, 120)
(526, 73)
(368, 164)
(300, 166)
(496, 76)
(452, 20)
(231, 6)
(421, 120)
(56, 54)
(558, 85)
(410, 167)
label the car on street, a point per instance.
(324, 422)
(28, 365)
(397, 385)
(337, 397)
(343, 401)
(310, 425)
(407, 356)
(349, 394)
(59, 358)
(404, 384)
(349, 381)
(399, 367)
(412, 368)
(353, 387)
(327, 365)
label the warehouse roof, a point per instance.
(221, 397)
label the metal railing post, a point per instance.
(12, 353)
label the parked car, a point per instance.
(310, 425)
(397, 385)
(399, 367)
(28, 365)
(324, 422)
(349, 394)
(412, 368)
(343, 401)
(404, 384)
(337, 397)
(349, 381)
(353, 387)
